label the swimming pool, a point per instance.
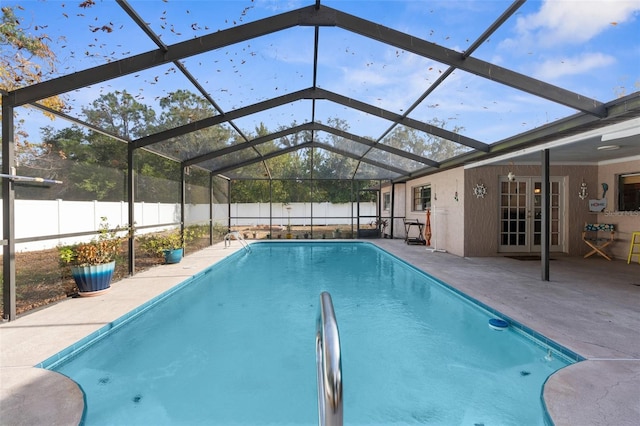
(236, 346)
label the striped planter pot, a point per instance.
(93, 279)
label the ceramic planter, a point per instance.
(173, 255)
(93, 279)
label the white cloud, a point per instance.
(554, 69)
(573, 22)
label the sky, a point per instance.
(588, 47)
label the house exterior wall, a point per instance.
(482, 219)
(398, 209)
(447, 213)
(470, 225)
(625, 222)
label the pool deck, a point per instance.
(590, 306)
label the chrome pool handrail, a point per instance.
(237, 236)
(328, 364)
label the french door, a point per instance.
(521, 215)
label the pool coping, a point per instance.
(568, 388)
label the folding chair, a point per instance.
(592, 235)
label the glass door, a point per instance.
(521, 215)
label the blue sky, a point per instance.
(589, 47)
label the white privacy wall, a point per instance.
(251, 214)
(38, 218)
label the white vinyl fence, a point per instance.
(37, 218)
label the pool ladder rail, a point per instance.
(237, 236)
(329, 364)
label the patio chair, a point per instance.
(598, 236)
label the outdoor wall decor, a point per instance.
(480, 191)
(583, 190)
(599, 204)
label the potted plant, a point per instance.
(167, 245)
(382, 224)
(336, 233)
(92, 264)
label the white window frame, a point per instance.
(419, 202)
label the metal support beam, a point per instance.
(306, 16)
(546, 211)
(252, 143)
(373, 144)
(357, 157)
(229, 205)
(274, 154)
(131, 178)
(472, 65)
(270, 207)
(398, 118)
(143, 61)
(309, 93)
(393, 208)
(219, 119)
(309, 127)
(8, 211)
(210, 209)
(183, 196)
(467, 52)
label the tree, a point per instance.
(53, 158)
(24, 59)
(119, 113)
(425, 144)
(101, 173)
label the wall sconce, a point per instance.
(582, 194)
(511, 176)
(455, 197)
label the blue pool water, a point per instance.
(236, 346)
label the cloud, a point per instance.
(554, 69)
(573, 22)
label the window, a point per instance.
(386, 201)
(629, 192)
(421, 198)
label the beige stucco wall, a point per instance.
(469, 226)
(447, 214)
(626, 222)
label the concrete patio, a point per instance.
(590, 306)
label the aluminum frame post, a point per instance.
(546, 210)
(8, 211)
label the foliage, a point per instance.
(156, 244)
(119, 113)
(94, 166)
(424, 144)
(102, 249)
(24, 57)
